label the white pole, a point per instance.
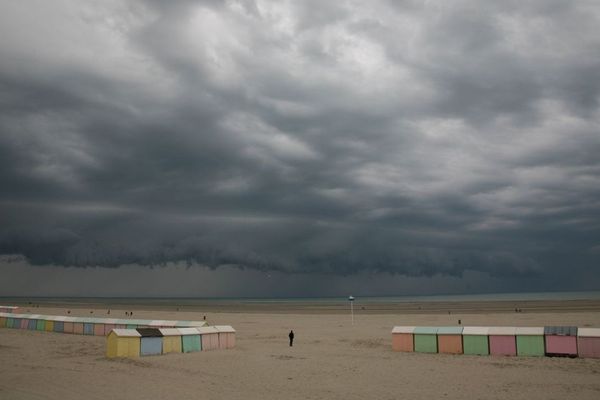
(351, 298)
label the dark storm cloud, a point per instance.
(418, 138)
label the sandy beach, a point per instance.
(331, 358)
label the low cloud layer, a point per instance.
(413, 138)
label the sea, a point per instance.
(192, 301)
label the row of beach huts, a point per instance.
(85, 325)
(567, 341)
(8, 309)
(131, 337)
(155, 341)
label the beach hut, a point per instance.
(150, 341)
(24, 323)
(32, 323)
(2, 322)
(209, 336)
(530, 341)
(59, 324)
(68, 325)
(450, 339)
(10, 322)
(402, 338)
(190, 340)
(49, 325)
(475, 340)
(502, 341)
(425, 339)
(98, 327)
(109, 325)
(123, 343)
(588, 342)
(226, 336)
(561, 340)
(171, 340)
(88, 328)
(40, 324)
(78, 325)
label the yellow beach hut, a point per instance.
(171, 340)
(123, 343)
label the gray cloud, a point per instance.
(321, 138)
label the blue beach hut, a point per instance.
(150, 341)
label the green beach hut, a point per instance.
(425, 339)
(190, 340)
(530, 341)
(475, 340)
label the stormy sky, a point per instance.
(299, 147)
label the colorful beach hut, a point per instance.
(226, 336)
(2, 321)
(49, 325)
(190, 340)
(123, 343)
(59, 324)
(450, 339)
(402, 338)
(32, 322)
(588, 342)
(502, 341)
(530, 341)
(109, 325)
(88, 328)
(171, 340)
(150, 341)
(78, 325)
(40, 324)
(475, 340)
(68, 324)
(209, 336)
(425, 339)
(561, 340)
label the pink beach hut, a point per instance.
(561, 340)
(402, 338)
(588, 342)
(226, 336)
(109, 325)
(209, 335)
(502, 341)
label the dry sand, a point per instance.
(331, 358)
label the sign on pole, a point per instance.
(351, 299)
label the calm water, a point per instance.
(364, 300)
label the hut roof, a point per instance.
(403, 329)
(560, 330)
(125, 332)
(170, 332)
(501, 330)
(588, 332)
(188, 331)
(450, 330)
(207, 329)
(426, 330)
(149, 332)
(529, 331)
(225, 328)
(475, 330)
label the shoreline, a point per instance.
(322, 307)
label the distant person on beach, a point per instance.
(291, 336)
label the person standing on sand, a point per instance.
(291, 336)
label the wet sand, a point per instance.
(331, 358)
